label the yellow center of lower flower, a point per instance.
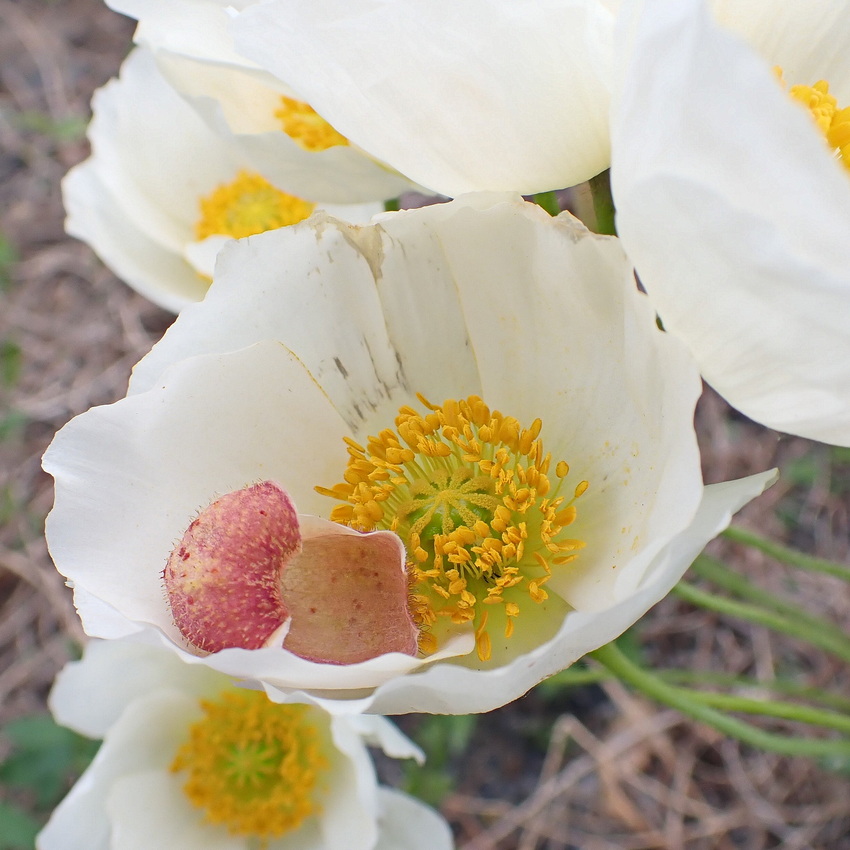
(253, 766)
(468, 491)
(306, 127)
(832, 121)
(248, 205)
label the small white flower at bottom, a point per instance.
(190, 760)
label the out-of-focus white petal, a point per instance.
(148, 809)
(240, 104)
(407, 824)
(808, 39)
(379, 732)
(132, 670)
(98, 218)
(198, 28)
(138, 199)
(736, 218)
(459, 97)
(145, 736)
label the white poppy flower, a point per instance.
(282, 137)
(311, 343)
(162, 192)
(734, 207)
(191, 761)
(479, 95)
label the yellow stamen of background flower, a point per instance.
(248, 205)
(833, 122)
(253, 766)
(303, 125)
(468, 491)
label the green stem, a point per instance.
(603, 203)
(549, 202)
(719, 574)
(786, 555)
(626, 671)
(779, 686)
(392, 205)
(772, 708)
(577, 676)
(826, 638)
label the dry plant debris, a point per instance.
(586, 770)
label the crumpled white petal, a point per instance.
(735, 215)
(486, 295)
(460, 97)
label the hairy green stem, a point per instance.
(786, 555)
(736, 583)
(611, 657)
(825, 636)
(578, 676)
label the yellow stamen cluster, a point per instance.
(468, 490)
(832, 121)
(253, 766)
(303, 125)
(248, 205)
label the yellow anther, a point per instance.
(253, 766)
(466, 489)
(832, 121)
(248, 205)
(303, 125)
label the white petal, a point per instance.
(564, 350)
(736, 218)
(449, 689)
(148, 809)
(145, 737)
(239, 104)
(154, 153)
(99, 219)
(119, 672)
(808, 39)
(350, 806)
(212, 428)
(407, 824)
(371, 344)
(202, 255)
(197, 28)
(380, 732)
(457, 96)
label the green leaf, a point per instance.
(18, 828)
(44, 757)
(11, 359)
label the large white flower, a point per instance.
(322, 333)
(190, 761)
(484, 94)
(162, 191)
(733, 206)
